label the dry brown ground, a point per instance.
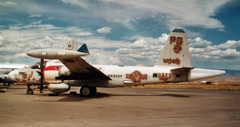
(218, 83)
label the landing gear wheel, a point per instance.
(29, 91)
(87, 91)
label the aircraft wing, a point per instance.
(80, 69)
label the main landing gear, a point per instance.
(29, 90)
(87, 91)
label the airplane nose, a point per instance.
(12, 74)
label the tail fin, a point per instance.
(175, 51)
(71, 44)
(83, 49)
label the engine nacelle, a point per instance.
(59, 88)
(50, 73)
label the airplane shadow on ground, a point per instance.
(72, 98)
(9, 87)
(170, 95)
(77, 97)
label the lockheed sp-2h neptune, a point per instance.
(173, 65)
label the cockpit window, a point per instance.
(37, 65)
(178, 30)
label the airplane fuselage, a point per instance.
(134, 75)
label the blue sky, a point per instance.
(123, 32)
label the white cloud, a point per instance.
(1, 41)
(37, 22)
(81, 3)
(139, 44)
(230, 44)
(20, 55)
(50, 18)
(143, 50)
(18, 39)
(180, 13)
(230, 54)
(215, 52)
(163, 38)
(196, 50)
(83, 34)
(198, 43)
(104, 30)
(99, 56)
(8, 4)
(46, 42)
(102, 43)
(35, 16)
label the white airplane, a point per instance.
(173, 65)
(5, 69)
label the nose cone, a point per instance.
(32, 53)
(12, 74)
(215, 72)
(222, 72)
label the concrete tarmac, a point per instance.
(121, 107)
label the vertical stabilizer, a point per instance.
(175, 51)
(71, 44)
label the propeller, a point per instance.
(41, 74)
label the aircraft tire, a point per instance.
(29, 91)
(87, 91)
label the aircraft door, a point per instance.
(180, 74)
(179, 77)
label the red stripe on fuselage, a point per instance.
(51, 68)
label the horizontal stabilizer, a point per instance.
(182, 70)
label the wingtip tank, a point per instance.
(55, 53)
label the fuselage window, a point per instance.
(155, 75)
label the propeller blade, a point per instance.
(41, 83)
